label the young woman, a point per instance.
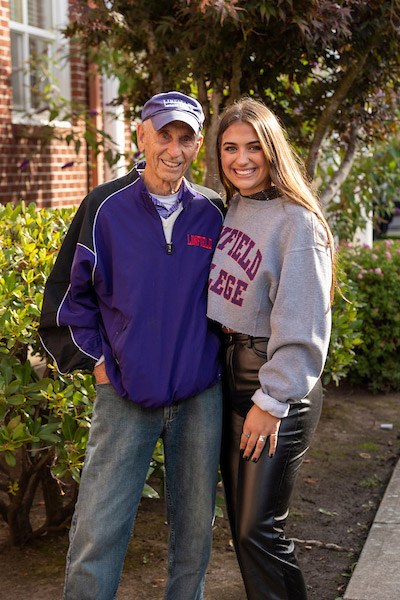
(270, 287)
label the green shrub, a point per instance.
(376, 274)
(345, 334)
(44, 417)
(44, 420)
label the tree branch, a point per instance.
(47, 529)
(329, 111)
(345, 167)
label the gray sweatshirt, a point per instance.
(271, 277)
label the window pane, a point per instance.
(16, 10)
(39, 13)
(38, 79)
(17, 73)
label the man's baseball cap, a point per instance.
(173, 106)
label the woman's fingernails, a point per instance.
(255, 459)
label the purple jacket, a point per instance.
(118, 289)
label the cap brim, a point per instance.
(165, 117)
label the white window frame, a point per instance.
(56, 43)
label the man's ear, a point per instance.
(140, 135)
(199, 142)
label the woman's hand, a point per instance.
(100, 373)
(259, 423)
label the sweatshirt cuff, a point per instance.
(274, 407)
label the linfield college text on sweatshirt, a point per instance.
(271, 276)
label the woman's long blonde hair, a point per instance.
(286, 169)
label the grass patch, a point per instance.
(370, 446)
(371, 482)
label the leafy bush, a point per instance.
(345, 334)
(376, 274)
(44, 420)
(44, 417)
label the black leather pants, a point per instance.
(258, 494)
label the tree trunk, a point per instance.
(156, 74)
(20, 503)
(52, 497)
(19, 525)
(341, 174)
(234, 84)
(211, 178)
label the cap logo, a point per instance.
(168, 102)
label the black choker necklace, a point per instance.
(268, 194)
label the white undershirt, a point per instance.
(168, 224)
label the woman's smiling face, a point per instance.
(243, 160)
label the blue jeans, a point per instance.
(122, 439)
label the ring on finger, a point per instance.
(262, 438)
(273, 434)
(246, 434)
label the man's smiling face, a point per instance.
(169, 152)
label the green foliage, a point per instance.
(44, 417)
(345, 334)
(156, 471)
(375, 178)
(338, 66)
(32, 409)
(375, 273)
(43, 421)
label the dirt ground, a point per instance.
(338, 491)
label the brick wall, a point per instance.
(29, 171)
(5, 96)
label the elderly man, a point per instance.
(127, 298)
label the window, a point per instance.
(37, 47)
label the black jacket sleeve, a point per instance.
(58, 340)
